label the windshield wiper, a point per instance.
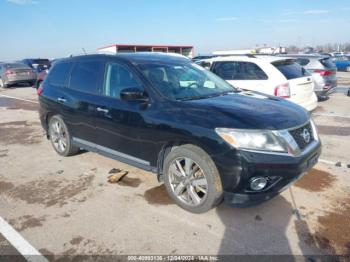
(206, 96)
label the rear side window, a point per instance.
(239, 71)
(290, 69)
(327, 62)
(59, 73)
(86, 76)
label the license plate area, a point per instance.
(312, 162)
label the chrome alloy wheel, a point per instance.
(188, 181)
(58, 136)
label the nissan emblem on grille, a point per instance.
(306, 135)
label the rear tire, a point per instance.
(60, 137)
(192, 179)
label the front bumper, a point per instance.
(287, 169)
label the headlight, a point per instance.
(263, 140)
(314, 130)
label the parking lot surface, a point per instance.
(67, 207)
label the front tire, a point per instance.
(192, 179)
(60, 137)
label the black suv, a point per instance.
(206, 140)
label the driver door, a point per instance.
(121, 124)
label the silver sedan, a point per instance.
(16, 73)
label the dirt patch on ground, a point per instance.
(158, 196)
(5, 186)
(76, 241)
(10, 103)
(52, 192)
(20, 132)
(333, 230)
(27, 221)
(316, 181)
(333, 130)
(3, 153)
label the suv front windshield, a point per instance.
(185, 81)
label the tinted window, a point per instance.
(59, 74)
(290, 69)
(86, 76)
(118, 78)
(302, 61)
(239, 71)
(327, 62)
(9, 66)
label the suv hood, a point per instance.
(245, 110)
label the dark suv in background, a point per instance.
(205, 139)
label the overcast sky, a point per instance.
(56, 28)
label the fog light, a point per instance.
(258, 183)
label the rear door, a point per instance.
(80, 99)
(300, 81)
(244, 75)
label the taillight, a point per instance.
(324, 72)
(9, 72)
(282, 91)
(39, 90)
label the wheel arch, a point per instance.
(166, 149)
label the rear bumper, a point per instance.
(19, 80)
(311, 104)
(325, 88)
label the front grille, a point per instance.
(300, 135)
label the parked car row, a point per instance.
(26, 71)
(302, 79)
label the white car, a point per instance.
(271, 75)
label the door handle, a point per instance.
(61, 100)
(99, 109)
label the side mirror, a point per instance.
(133, 94)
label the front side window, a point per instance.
(59, 73)
(86, 76)
(184, 81)
(118, 78)
(239, 71)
